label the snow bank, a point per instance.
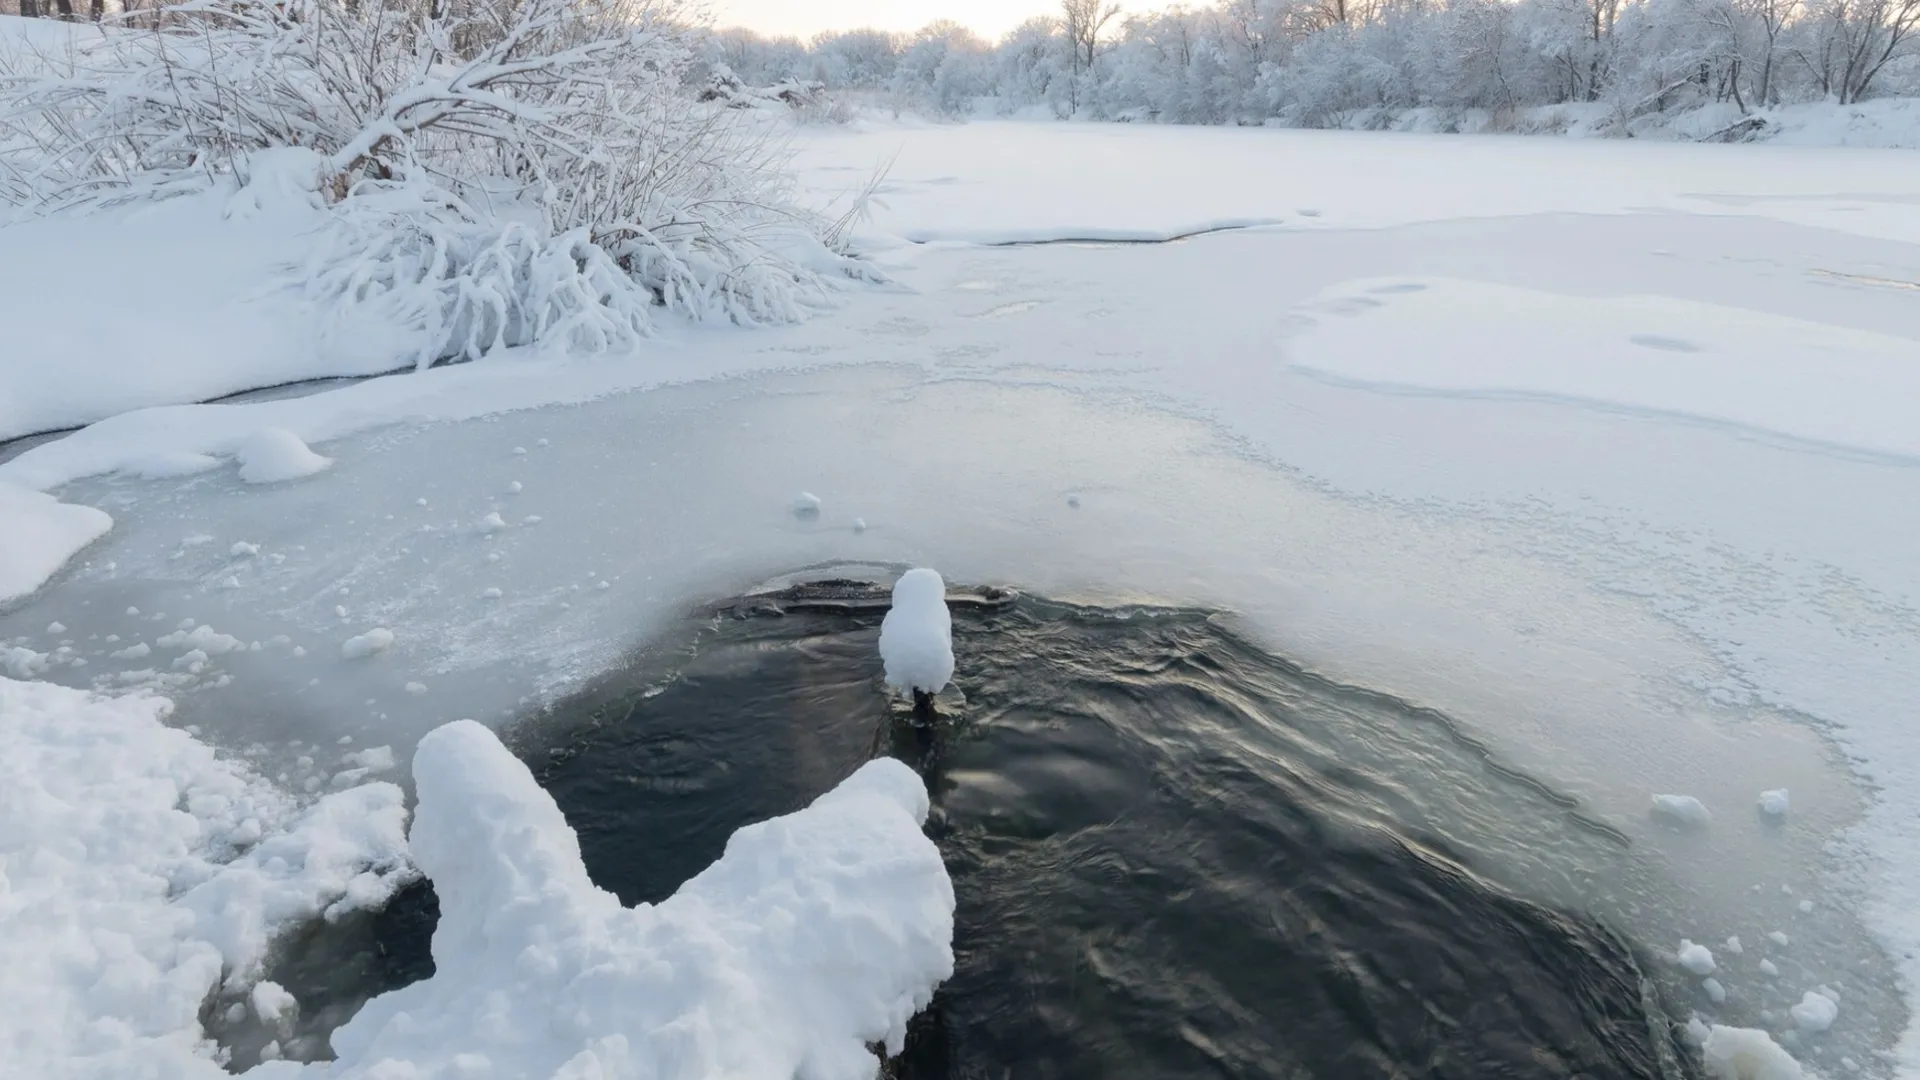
(916, 637)
(271, 455)
(814, 935)
(139, 872)
(40, 534)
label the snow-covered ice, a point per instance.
(815, 935)
(271, 455)
(41, 534)
(143, 872)
(916, 637)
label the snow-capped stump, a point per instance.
(916, 637)
(1774, 803)
(271, 455)
(1682, 810)
(378, 639)
(1815, 1013)
(1697, 959)
(806, 505)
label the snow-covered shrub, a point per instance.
(499, 171)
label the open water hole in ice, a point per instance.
(1174, 854)
(682, 493)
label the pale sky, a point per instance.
(804, 18)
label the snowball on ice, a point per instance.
(1697, 959)
(806, 505)
(1732, 1053)
(815, 935)
(1774, 803)
(378, 639)
(271, 455)
(916, 637)
(1816, 1012)
(1681, 809)
(40, 535)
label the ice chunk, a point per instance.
(492, 523)
(20, 662)
(416, 688)
(1697, 959)
(271, 1001)
(806, 505)
(1816, 1012)
(378, 639)
(816, 935)
(373, 758)
(1732, 1053)
(1768, 968)
(1806, 907)
(491, 592)
(274, 454)
(40, 535)
(519, 450)
(1734, 947)
(1779, 938)
(56, 628)
(1774, 803)
(243, 550)
(1715, 992)
(916, 637)
(859, 525)
(136, 651)
(204, 638)
(1681, 809)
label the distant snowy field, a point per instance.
(1606, 447)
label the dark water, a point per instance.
(1174, 855)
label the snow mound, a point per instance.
(1681, 810)
(916, 637)
(271, 455)
(1733, 1053)
(1774, 803)
(124, 901)
(814, 935)
(41, 534)
(359, 646)
(1816, 1011)
(1697, 959)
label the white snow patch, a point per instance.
(916, 637)
(271, 455)
(40, 535)
(815, 935)
(378, 639)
